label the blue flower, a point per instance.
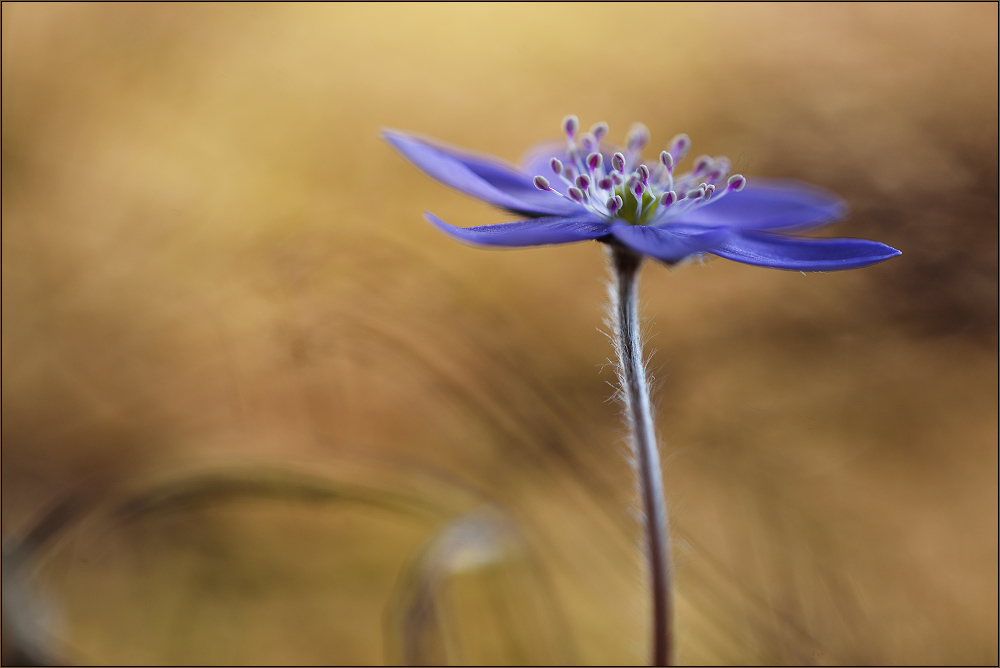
(594, 191)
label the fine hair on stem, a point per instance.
(634, 396)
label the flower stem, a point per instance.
(625, 266)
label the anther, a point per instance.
(587, 142)
(542, 183)
(607, 183)
(576, 194)
(667, 160)
(583, 182)
(638, 189)
(736, 182)
(679, 147)
(594, 160)
(721, 168)
(643, 172)
(556, 165)
(709, 191)
(614, 203)
(696, 193)
(618, 162)
(600, 130)
(570, 125)
(702, 165)
(637, 137)
(668, 198)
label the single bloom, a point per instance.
(584, 189)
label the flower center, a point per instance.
(628, 189)
(635, 210)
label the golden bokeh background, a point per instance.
(210, 258)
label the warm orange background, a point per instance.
(210, 255)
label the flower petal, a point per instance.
(534, 232)
(770, 204)
(480, 176)
(801, 254)
(537, 161)
(669, 244)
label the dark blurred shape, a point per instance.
(29, 617)
(25, 641)
(939, 214)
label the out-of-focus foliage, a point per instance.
(210, 256)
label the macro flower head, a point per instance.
(583, 188)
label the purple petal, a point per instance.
(801, 254)
(535, 232)
(536, 161)
(670, 244)
(480, 176)
(767, 204)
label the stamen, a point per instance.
(665, 175)
(618, 162)
(643, 174)
(594, 160)
(638, 189)
(721, 169)
(570, 125)
(702, 165)
(679, 147)
(637, 137)
(587, 177)
(572, 153)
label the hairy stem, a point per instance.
(625, 266)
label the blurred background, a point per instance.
(211, 262)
